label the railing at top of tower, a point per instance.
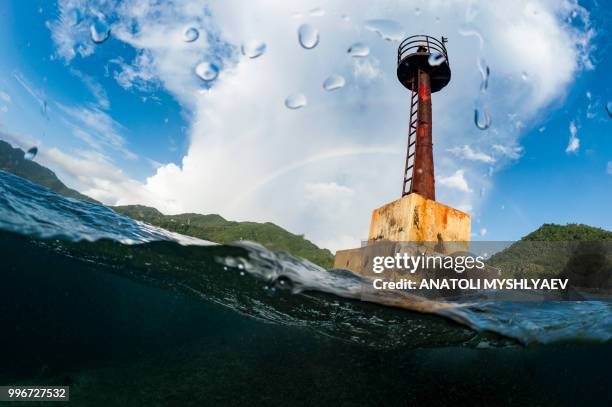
(411, 45)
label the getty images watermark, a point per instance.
(439, 272)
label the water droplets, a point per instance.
(358, 50)
(308, 36)
(191, 34)
(436, 59)
(207, 71)
(100, 31)
(524, 76)
(44, 108)
(417, 11)
(482, 120)
(609, 108)
(295, 101)
(74, 17)
(253, 49)
(388, 29)
(485, 72)
(31, 153)
(334, 82)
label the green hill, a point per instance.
(556, 250)
(12, 160)
(217, 229)
(550, 232)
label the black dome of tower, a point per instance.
(413, 54)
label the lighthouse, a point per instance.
(423, 68)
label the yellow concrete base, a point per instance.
(417, 219)
(395, 228)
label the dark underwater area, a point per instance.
(119, 340)
(129, 315)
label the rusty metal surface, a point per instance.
(411, 147)
(422, 79)
(423, 182)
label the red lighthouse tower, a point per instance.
(423, 68)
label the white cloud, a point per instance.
(140, 74)
(574, 141)
(71, 30)
(455, 181)
(251, 158)
(94, 87)
(93, 174)
(366, 69)
(95, 127)
(467, 153)
(327, 191)
(5, 96)
(512, 152)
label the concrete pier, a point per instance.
(397, 226)
(414, 218)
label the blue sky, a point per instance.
(129, 121)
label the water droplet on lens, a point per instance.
(358, 49)
(191, 34)
(31, 153)
(100, 31)
(485, 71)
(253, 49)
(308, 36)
(524, 76)
(207, 71)
(242, 273)
(295, 101)
(388, 29)
(436, 59)
(417, 11)
(482, 120)
(345, 18)
(334, 82)
(609, 108)
(74, 17)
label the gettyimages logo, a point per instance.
(523, 270)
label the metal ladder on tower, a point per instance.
(411, 149)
